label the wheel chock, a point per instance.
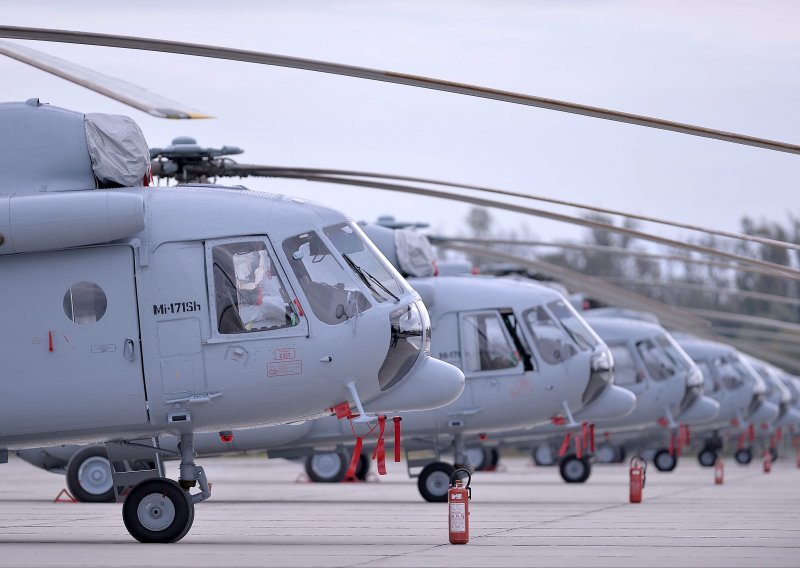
(65, 497)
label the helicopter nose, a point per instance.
(790, 418)
(431, 384)
(766, 412)
(702, 410)
(613, 402)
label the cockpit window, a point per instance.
(249, 294)
(365, 262)
(625, 370)
(332, 293)
(576, 327)
(710, 382)
(661, 357)
(730, 371)
(485, 343)
(550, 337)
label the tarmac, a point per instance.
(262, 514)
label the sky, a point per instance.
(730, 65)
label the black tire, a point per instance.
(664, 461)
(89, 475)
(495, 457)
(362, 468)
(158, 511)
(478, 458)
(707, 457)
(774, 453)
(329, 467)
(574, 469)
(434, 481)
(544, 455)
(743, 456)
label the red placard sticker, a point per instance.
(284, 354)
(284, 368)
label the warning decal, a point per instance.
(283, 368)
(458, 517)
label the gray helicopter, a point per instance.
(179, 370)
(527, 355)
(132, 312)
(650, 365)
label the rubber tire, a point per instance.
(495, 457)
(543, 463)
(743, 456)
(362, 468)
(774, 454)
(184, 511)
(422, 481)
(313, 475)
(74, 484)
(606, 453)
(670, 464)
(707, 457)
(485, 460)
(568, 462)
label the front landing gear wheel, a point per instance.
(329, 467)
(89, 476)
(574, 469)
(773, 454)
(158, 510)
(707, 457)
(743, 456)
(434, 481)
(664, 461)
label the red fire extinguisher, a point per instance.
(767, 461)
(458, 497)
(638, 473)
(719, 471)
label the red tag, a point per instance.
(299, 307)
(342, 410)
(564, 446)
(351, 471)
(397, 420)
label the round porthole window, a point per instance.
(85, 303)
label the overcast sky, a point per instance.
(731, 65)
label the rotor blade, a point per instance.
(737, 332)
(117, 89)
(265, 171)
(704, 288)
(611, 250)
(745, 320)
(593, 287)
(782, 271)
(758, 350)
(201, 50)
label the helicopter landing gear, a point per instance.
(665, 461)
(743, 456)
(434, 481)
(481, 459)
(544, 455)
(329, 467)
(707, 457)
(773, 453)
(574, 469)
(89, 476)
(160, 510)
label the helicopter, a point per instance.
(650, 365)
(40, 233)
(133, 318)
(527, 355)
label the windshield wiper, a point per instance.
(366, 277)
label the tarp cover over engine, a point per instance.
(47, 149)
